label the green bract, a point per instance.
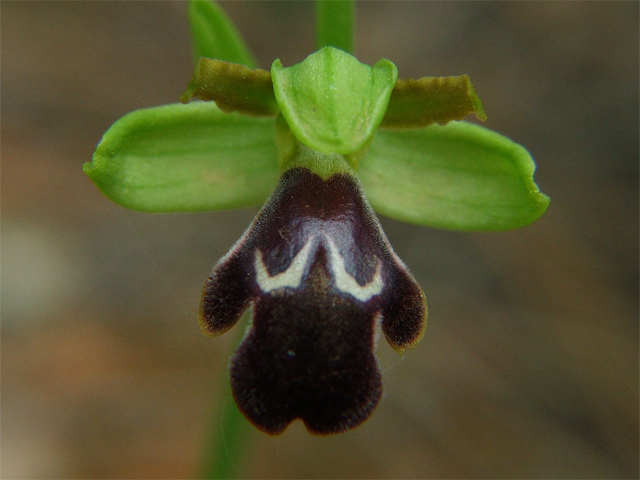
(185, 158)
(215, 36)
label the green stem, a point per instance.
(334, 24)
(230, 433)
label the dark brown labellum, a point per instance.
(320, 274)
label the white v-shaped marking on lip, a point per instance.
(345, 281)
(291, 277)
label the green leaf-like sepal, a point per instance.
(331, 101)
(186, 158)
(419, 103)
(460, 176)
(215, 36)
(233, 87)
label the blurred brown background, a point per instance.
(529, 367)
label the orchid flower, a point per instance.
(322, 145)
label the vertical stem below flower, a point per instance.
(230, 433)
(334, 24)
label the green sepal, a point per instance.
(214, 35)
(186, 158)
(460, 177)
(331, 101)
(233, 87)
(419, 103)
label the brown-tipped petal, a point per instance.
(420, 103)
(234, 88)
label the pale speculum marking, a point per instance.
(292, 276)
(346, 283)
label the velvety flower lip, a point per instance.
(321, 275)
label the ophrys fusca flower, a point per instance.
(323, 143)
